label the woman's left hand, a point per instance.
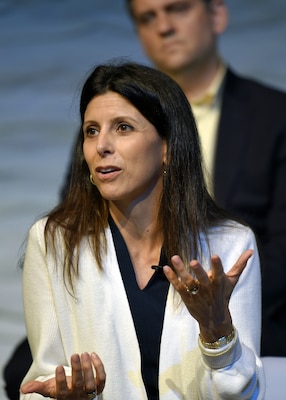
(75, 387)
(209, 304)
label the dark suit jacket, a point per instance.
(250, 181)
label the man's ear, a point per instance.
(219, 15)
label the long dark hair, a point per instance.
(185, 202)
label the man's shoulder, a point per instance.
(237, 82)
(250, 93)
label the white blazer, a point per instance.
(98, 318)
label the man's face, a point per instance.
(175, 34)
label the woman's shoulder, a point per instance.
(231, 234)
(38, 226)
(228, 240)
(230, 227)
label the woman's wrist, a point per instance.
(219, 343)
(223, 356)
(212, 331)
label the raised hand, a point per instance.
(207, 295)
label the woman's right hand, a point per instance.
(75, 387)
(209, 305)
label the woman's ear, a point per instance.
(219, 15)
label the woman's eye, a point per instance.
(91, 131)
(124, 127)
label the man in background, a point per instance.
(242, 127)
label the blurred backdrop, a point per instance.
(47, 49)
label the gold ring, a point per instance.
(193, 290)
(92, 395)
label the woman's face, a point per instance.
(123, 150)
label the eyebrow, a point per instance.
(115, 119)
(166, 7)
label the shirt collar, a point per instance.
(213, 92)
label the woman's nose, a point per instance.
(104, 143)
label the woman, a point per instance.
(127, 283)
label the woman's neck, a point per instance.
(143, 240)
(136, 225)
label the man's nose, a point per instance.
(165, 26)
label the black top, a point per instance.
(147, 307)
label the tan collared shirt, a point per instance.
(206, 111)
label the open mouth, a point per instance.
(108, 171)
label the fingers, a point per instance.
(181, 278)
(87, 373)
(32, 386)
(62, 389)
(180, 275)
(89, 382)
(100, 372)
(78, 381)
(240, 264)
(217, 271)
(46, 388)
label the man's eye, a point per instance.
(181, 7)
(145, 19)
